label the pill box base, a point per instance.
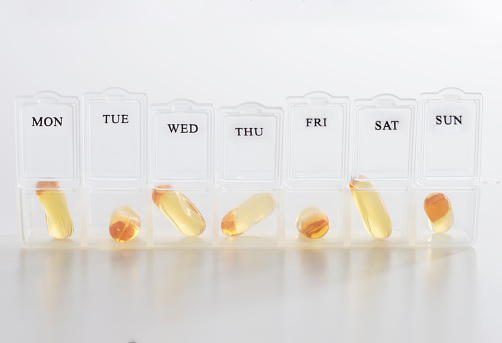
(91, 210)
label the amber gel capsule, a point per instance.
(437, 206)
(183, 214)
(312, 223)
(57, 215)
(124, 224)
(371, 208)
(250, 212)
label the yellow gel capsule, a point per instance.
(312, 223)
(250, 212)
(371, 208)
(124, 224)
(437, 206)
(185, 217)
(57, 215)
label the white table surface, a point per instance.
(343, 295)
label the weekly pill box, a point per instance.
(246, 175)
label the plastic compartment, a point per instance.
(449, 162)
(266, 233)
(465, 206)
(115, 139)
(48, 139)
(115, 151)
(181, 146)
(32, 220)
(102, 203)
(166, 234)
(399, 204)
(383, 161)
(47, 127)
(249, 148)
(334, 203)
(315, 160)
(450, 138)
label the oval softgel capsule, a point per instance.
(57, 216)
(180, 210)
(312, 223)
(250, 212)
(371, 208)
(437, 206)
(124, 224)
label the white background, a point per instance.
(225, 53)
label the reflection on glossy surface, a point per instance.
(450, 284)
(250, 241)
(439, 238)
(166, 290)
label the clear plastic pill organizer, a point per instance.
(109, 170)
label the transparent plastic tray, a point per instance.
(110, 171)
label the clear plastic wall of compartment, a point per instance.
(181, 173)
(115, 196)
(48, 173)
(448, 180)
(248, 176)
(316, 193)
(383, 160)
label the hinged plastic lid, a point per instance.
(47, 126)
(316, 141)
(450, 138)
(383, 148)
(181, 138)
(115, 139)
(249, 149)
